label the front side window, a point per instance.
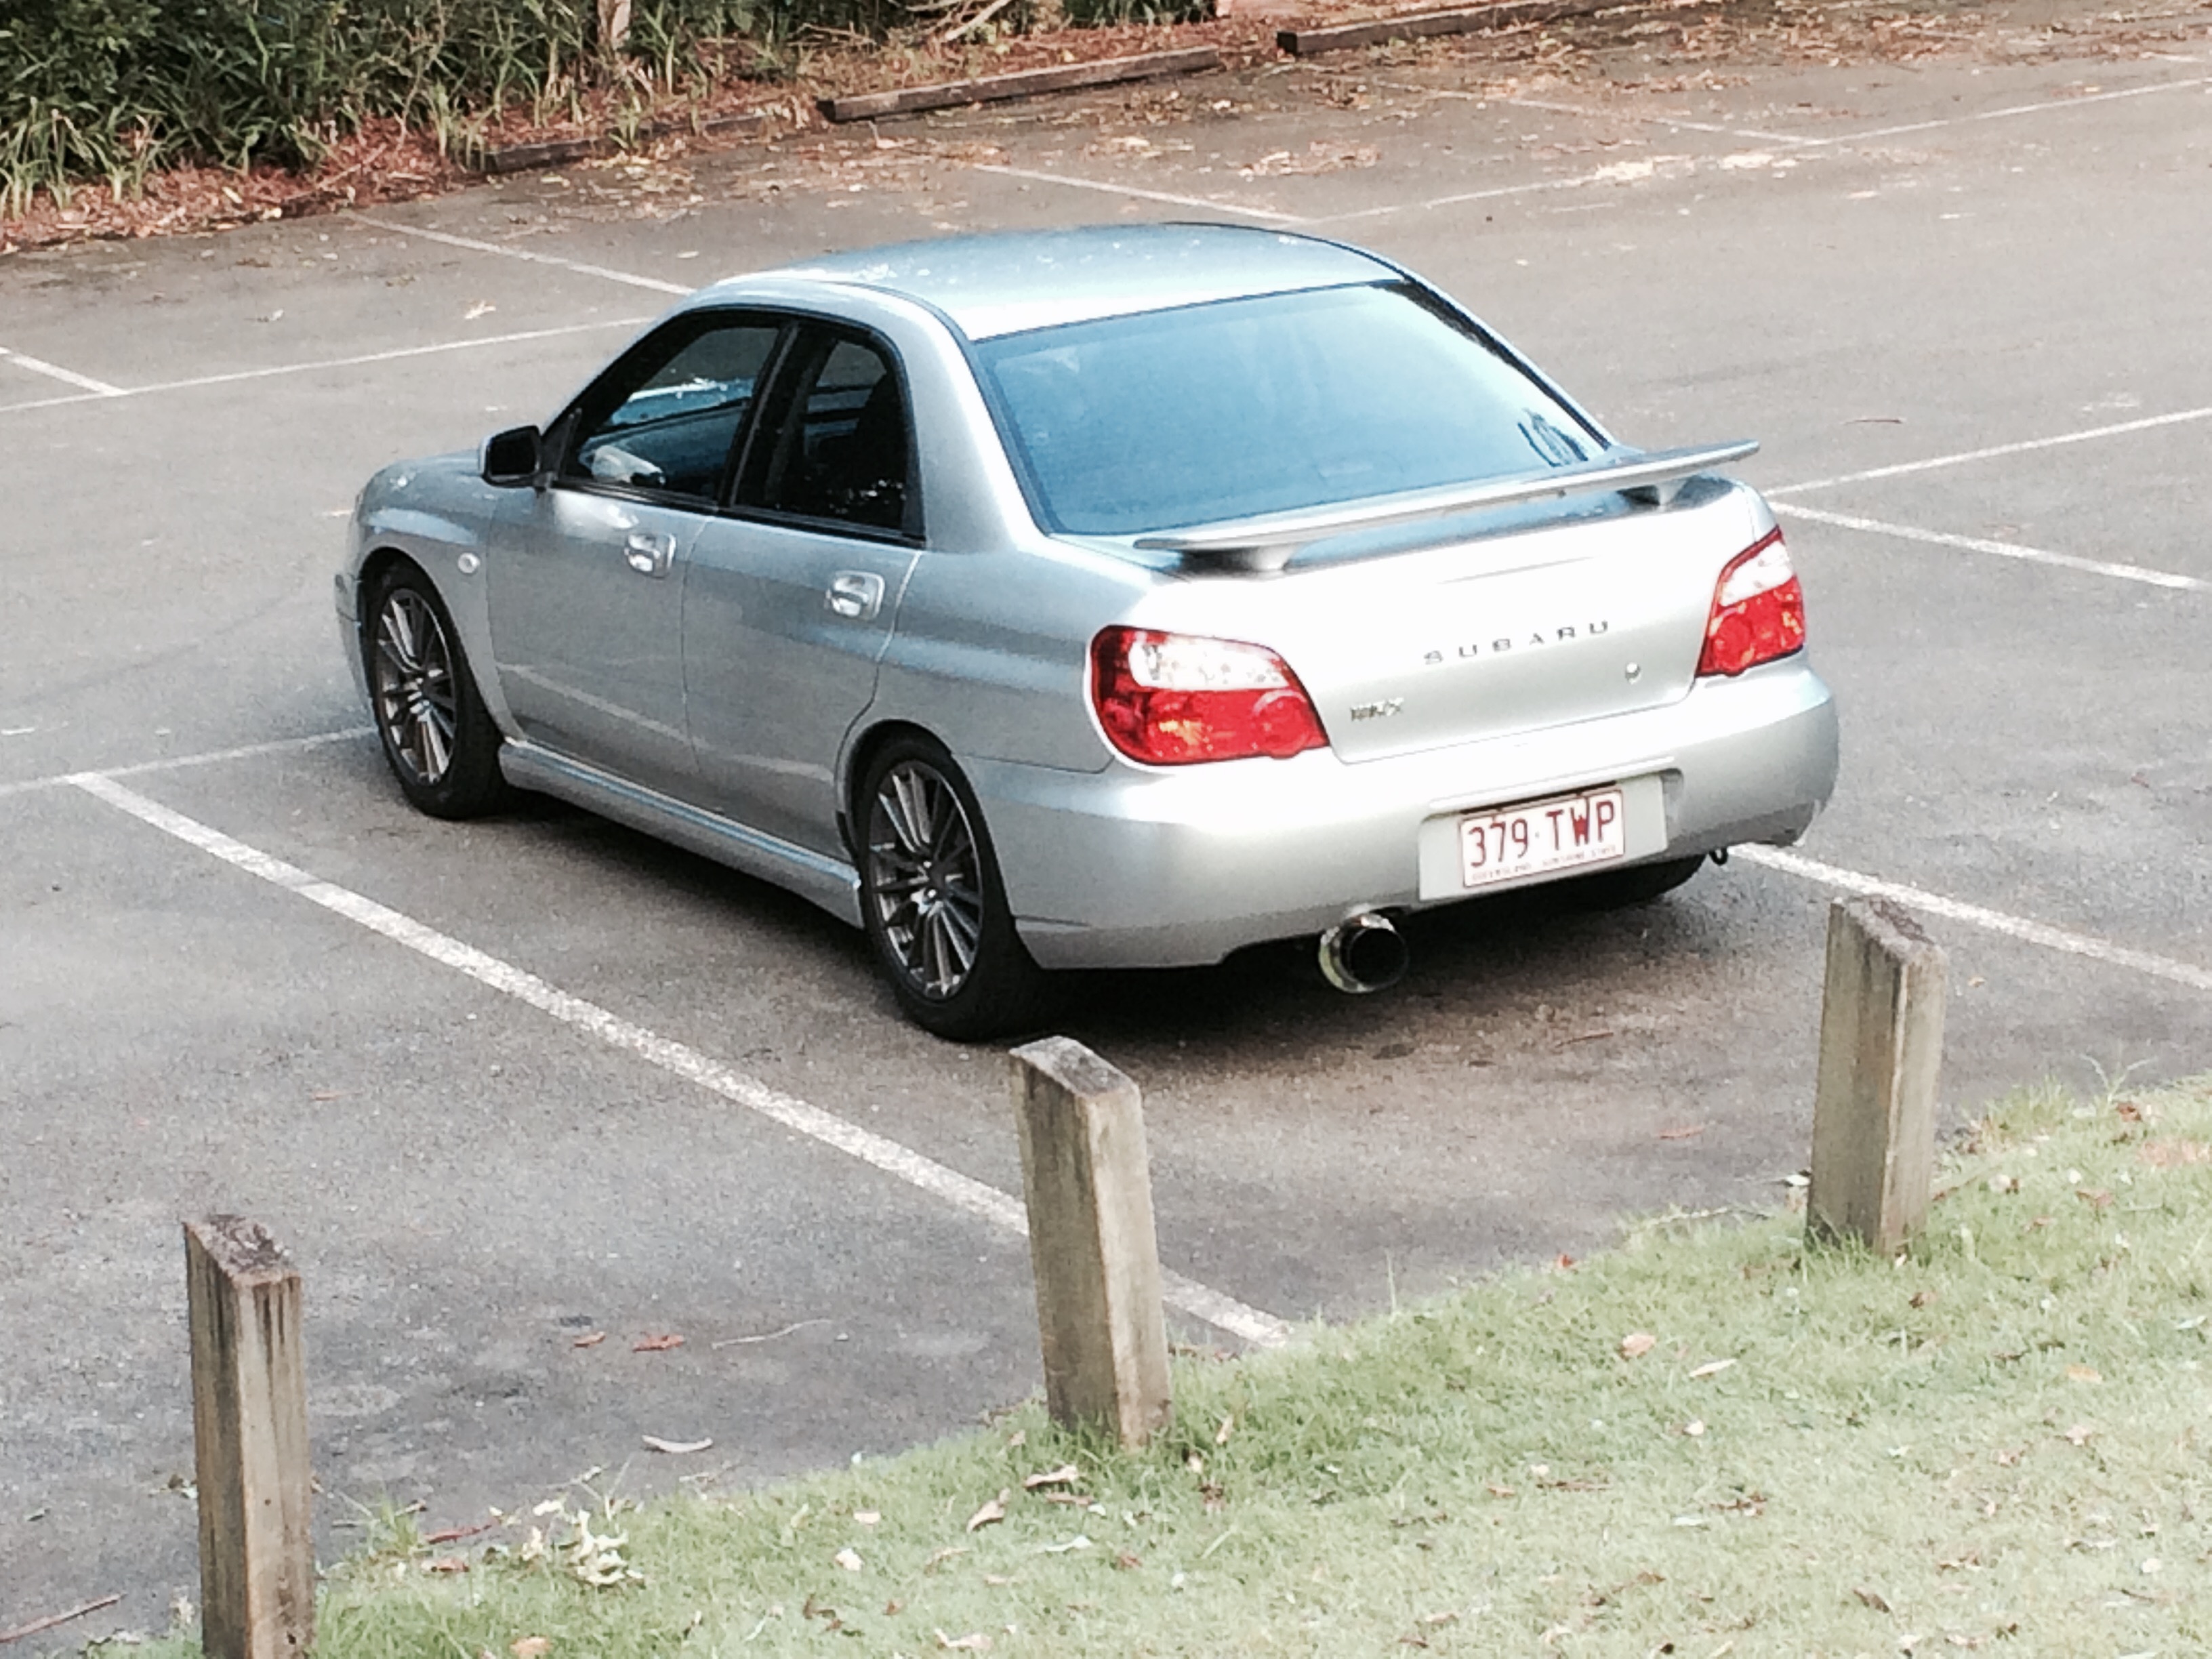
(1195, 416)
(665, 417)
(840, 450)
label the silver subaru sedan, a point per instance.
(1105, 598)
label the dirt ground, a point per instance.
(1645, 47)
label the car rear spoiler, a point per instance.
(1265, 544)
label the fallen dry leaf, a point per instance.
(2170, 1154)
(589, 1340)
(1688, 1132)
(2083, 1374)
(656, 1344)
(1497, 1490)
(1065, 1473)
(529, 1647)
(1695, 1428)
(1873, 1598)
(1710, 1368)
(654, 1442)
(866, 1518)
(1637, 1344)
(974, 1642)
(849, 1559)
(2080, 1433)
(447, 1564)
(992, 1512)
(2097, 1197)
(1922, 1298)
(945, 1554)
(997, 1580)
(1563, 1262)
(1127, 1561)
(1018, 1438)
(1228, 1427)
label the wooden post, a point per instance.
(1874, 1108)
(250, 1438)
(1091, 1246)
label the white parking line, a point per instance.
(2040, 107)
(2118, 428)
(395, 354)
(67, 376)
(2132, 573)
(204, 757)
(1269, 214)
(1617, 174)
(1975, 915)
(475, 246)
(985, 1203)
(1558, 108)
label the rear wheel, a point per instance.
(438, 738)
(931, 897)
(1616, 889)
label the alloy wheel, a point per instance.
(925, 878)
(414, 679)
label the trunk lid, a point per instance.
(1551, 616)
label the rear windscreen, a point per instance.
(1172, 418)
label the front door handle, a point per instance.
(648, 553)
(855, 595)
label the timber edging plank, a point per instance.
(1468, 20)
(1021, 83)
(557, 152)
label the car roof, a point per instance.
(1006, 283)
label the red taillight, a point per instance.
(1759, 609)
(1171, 699)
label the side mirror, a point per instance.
(513, 457)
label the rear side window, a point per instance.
(840, 450)
(1190, 416)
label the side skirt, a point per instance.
(831, 883)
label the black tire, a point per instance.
(1616, 889)
(931, 900)
(438, 739)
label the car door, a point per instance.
(587, 598)
(790, 597)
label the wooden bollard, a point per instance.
(1874, 1106)
(249, 1441)
(1091, 1245)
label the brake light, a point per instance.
(1759, 609)
(1174, 699)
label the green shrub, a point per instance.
(104, 89)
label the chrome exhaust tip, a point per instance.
(1363, 953)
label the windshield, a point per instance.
(1171, 418)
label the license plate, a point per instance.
(1542, 836)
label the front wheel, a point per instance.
(438, 737)
(931, 897)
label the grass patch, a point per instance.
(1998, 1441)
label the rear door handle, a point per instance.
(648, 553)
(855, 595)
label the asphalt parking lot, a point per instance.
(502, 1084)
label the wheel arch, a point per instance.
(467, 610)
(859, 755)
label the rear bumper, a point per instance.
(1140, 867)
